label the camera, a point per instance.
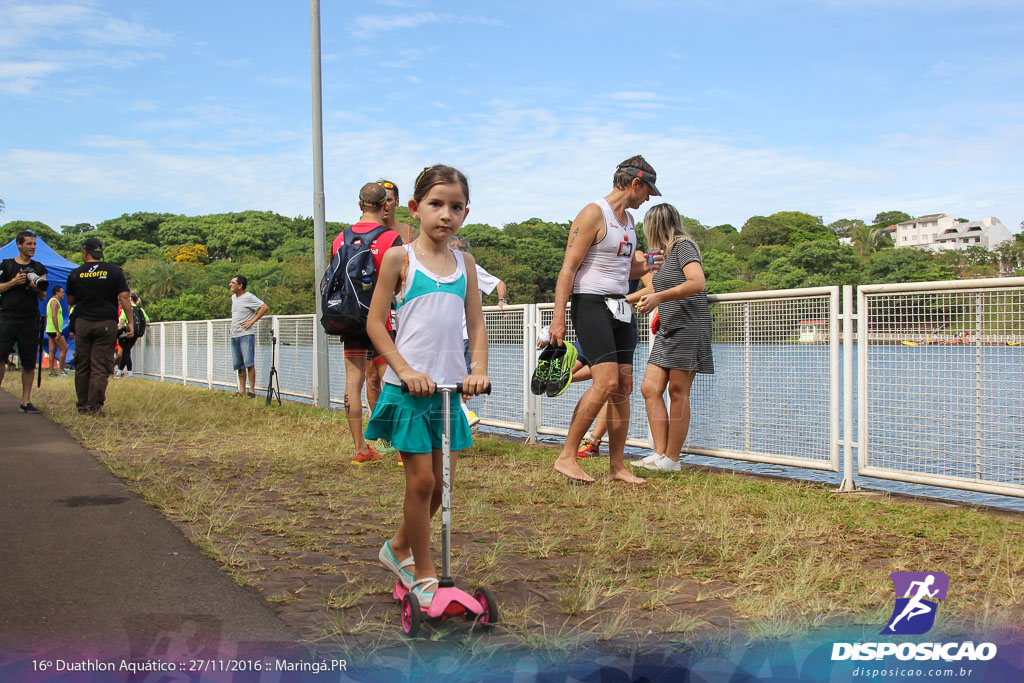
(39, 281)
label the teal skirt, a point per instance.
(415, 424)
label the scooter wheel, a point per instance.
(411, 615)
(489, 616)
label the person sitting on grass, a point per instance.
(435, 288)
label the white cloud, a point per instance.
(32, 37)
(368, 26)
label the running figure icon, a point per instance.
(917, 594)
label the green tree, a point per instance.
(833, 263)
(867, 239)
(761, 258)
(295, 246)
(781, 274)
(483, 235)
(761, 231)
(182, 307)
(904, 265)
(142, 226)
(10, 230)
(719, 238)
(887, 218)
(121, 251)
(844, 226)
(721, 266)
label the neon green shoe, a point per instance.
(561, 370)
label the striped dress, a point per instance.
(683, 341)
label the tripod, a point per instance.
(273, 382)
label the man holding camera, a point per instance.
(94, 289)
(22, 286)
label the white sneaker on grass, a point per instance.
(663, 464)
(642, 462)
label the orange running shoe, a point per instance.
(367, 455)
(591, 449)
(400, 463)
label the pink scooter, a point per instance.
(448, 600)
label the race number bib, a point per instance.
(619, 309)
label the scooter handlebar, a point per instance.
(457, 388)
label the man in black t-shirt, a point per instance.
(20, 295)
(94, 289)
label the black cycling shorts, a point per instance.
(25, 333)
(603, 338)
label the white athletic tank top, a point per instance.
(429, 310)
(605, 268)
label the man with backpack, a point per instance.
(125, 343)
(363, 365)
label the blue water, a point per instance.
(924, 407)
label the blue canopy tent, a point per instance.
(58, 269)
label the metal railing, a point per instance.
(938, 386)
(941, 384)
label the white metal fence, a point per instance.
(936, 373)
(941, 384)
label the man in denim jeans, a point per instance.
(246, 310)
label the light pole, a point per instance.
(321, 361)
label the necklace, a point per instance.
(434, 276)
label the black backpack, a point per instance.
(138, 321)
(347, 285)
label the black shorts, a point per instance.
(53, 335)
(25, 333)
(362, 347)
(603, 338)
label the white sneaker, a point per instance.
(127, 373)
(117, 372)
(642, 462)
(663, 464)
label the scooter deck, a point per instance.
(443, 598)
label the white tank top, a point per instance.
(430, 309)
(605, 268)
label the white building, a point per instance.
(939, 232)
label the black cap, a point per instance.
(93, 247)
(646, 176)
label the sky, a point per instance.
(838, 108)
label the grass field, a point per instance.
(269, 493)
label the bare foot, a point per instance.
(625, 476)
(572, 469)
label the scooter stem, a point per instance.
(446, 491)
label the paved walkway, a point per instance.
(86, 567)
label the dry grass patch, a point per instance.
(269, 493)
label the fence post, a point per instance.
(163, 355)
(209, 354)
(748, 395)
(847, 317)
(530, 402)
(184, 353)
(980, 303)
(142, 358)
(863, 344)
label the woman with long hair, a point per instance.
(682, 345)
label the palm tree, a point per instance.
(868, 239)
